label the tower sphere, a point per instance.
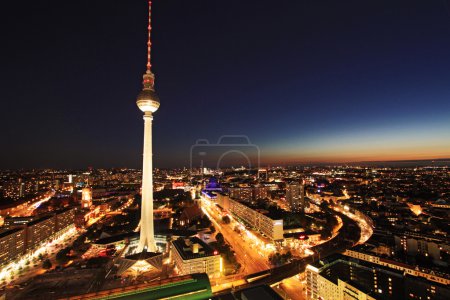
(148, 100)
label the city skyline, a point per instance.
(302, 150)
(305, 82)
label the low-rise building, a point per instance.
(192, 255)
(344, 277)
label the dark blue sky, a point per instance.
(305, 80)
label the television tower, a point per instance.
(148, 102)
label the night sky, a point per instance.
(306, 81)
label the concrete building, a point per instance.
(22, 189)
(258, 219)
(39, 231)
(64, 218)
(29, 234)
(259, 192)
(295, 196)
(420, 244)
(241, 193)
(343, 277)
(248, 194)
(392, 264)
(12, 245)
(11, 222)
(192, 255)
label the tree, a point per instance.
(325, 233)
(324, 205)
(61, 256)
(275, 259)
(287, 256)
(278, 259)
(226, 219)
(220, 239)
(47, 264)
(204, 222)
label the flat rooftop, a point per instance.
(185, 248)
(10, 231)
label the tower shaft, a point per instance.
(147, 236)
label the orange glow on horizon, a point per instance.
(347, 157)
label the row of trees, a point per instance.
(277, 259)
(227, 253)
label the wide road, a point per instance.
(247, 253)
(291, 288)
(26, 209)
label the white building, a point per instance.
(260, 220)
(192, 255)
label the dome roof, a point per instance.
(148, 101)
(148, 95)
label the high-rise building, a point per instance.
(295, 196)
(148, 103)
(56, 184)
(263, 174)
(22, 189)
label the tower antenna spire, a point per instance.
(149, 78)
(149, 42)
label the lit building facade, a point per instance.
(12, 245)
(343, 277)
(39, 231)
(295, 196)
(65, 218)
(192, 255)
(86, 197)
(30, 235)
(416, 244)
(257, 219)
(248, 194)
(241, 193)
(406, 269)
